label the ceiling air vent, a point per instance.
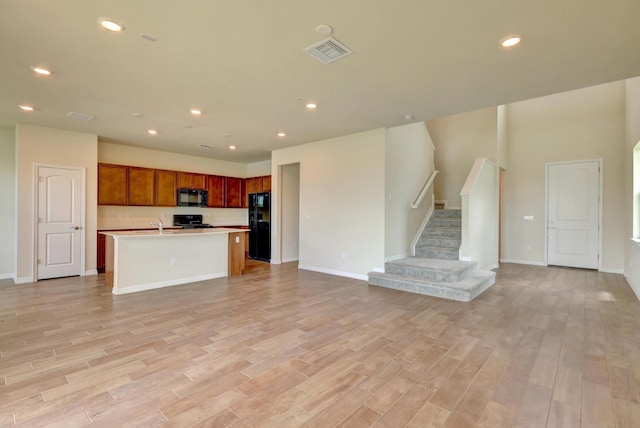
(80, 116)
(328, 50)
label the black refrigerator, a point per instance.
(259, 230)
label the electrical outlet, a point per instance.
(237, 239)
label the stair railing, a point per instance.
(417, 203)
(425, 189)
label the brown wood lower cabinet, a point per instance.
(236, 253)
(100, 263)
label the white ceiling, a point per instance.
(243, 63)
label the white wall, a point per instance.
(576, 125)
(8, 204)
(632, 137)
(290, 214)
(342, 203)
(258, 169)
(136, 156)
(459, 141)
(480, 215)
(409, 161)
(53, 147)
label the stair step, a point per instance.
(463, 291)
(431, 269)
(447, 213)
(444, 222)
(438, 253)
(439, 241)
(453, 232)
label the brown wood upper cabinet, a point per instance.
(266, 183)
(142, 186)
(189, 180)
(166, 186)
(254, 185)
(216, 186)
(233, 192)
(112, 184)
(245, 198)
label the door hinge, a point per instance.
(39, 261)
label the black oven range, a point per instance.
(189, 221)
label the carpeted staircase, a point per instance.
(436, 270)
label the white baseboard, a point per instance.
(169, 283)
(275, 261)
(377, 269)
(23, 280)
(397, 257)
(7, 275)
(492, 267)
(634, 287)
(290, 259)
(523, 262)
(607, 270)
(334, 272)
(91, 272)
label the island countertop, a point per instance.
(171, 232)
(138, 260)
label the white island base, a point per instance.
(145, 260)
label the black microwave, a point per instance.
(192, 198)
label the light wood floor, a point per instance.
(281, 347)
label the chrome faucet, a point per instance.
(158, 224)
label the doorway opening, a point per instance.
(289, 212)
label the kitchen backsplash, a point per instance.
(110, 217)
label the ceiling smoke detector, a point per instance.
(80, 116)
(328, 50)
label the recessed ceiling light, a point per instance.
(227, 135)
(281, 134)
(152, 132)
(196, 111)
(311, 106)
(510, 40)
(26, 108)
(137, 115)
(41, 70)
(110, 24)
(232, 147)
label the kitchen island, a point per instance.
(148, 259)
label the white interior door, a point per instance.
(59, 222)
(573, 216)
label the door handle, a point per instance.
(76, 227)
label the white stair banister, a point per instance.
(424, 190)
